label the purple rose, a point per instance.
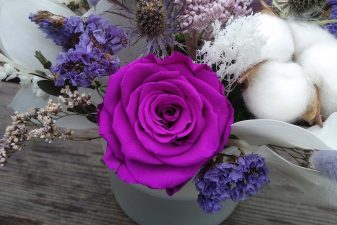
(163, 120)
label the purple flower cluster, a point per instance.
(231, 180)
(64, 32)
(332, 27)
(81, 67)
(93, 56)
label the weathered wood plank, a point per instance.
(66, 184)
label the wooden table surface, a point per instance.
(66, 184)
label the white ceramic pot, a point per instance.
(154, 207)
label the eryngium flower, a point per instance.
(151, 18)
(154, 21)
(93, 57)
(63, 31)
(301, 8)
(231, 180)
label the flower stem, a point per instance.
(324, 22)
(85, 139)
(38, 75)
(192, 44)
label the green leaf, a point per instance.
(70, 109)
(41, 73)
(43, 60)
(49, 87)
(90, 109)
(92, 118)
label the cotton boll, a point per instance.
(280, 44)
(307, 34)
(319, 63)
(326, 163)
(279, 91)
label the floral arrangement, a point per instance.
(168, 116)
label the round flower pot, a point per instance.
(152, 207)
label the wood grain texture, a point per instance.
(66, 184)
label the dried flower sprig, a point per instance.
(74, 98)
(325, 162)
(63, 31)
(235, 49)
(91, 46)
(198, 15)
(236, 178)
(38, 124)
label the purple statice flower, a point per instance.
(63, 31)
(93, 57)
(254, 177)
(81, 67)
(326, 163)
(231, 180)
(209, 205)
(332, 27)
(100, 33)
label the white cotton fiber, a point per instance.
(280, 44)
(320, 63)
(279, 91)
(306, 34)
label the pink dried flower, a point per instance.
(38, 124)
(199, 14)
(74, 98)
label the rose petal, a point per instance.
(160, 177)
(130, 146)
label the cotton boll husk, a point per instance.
(319, 63)
(280, 44)
(306, 34)
(326, 163)
(279, 91)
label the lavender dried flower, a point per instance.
(236, 180)
(326, 163)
